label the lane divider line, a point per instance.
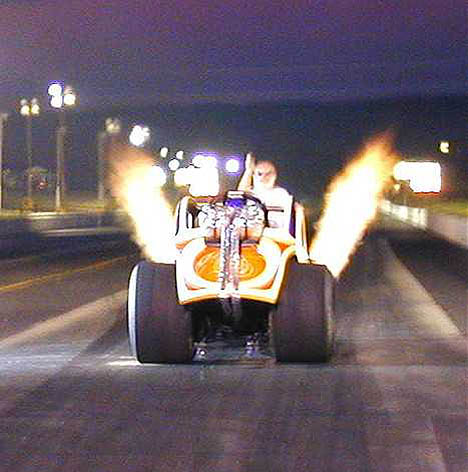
(57, 275)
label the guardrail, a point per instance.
(453, 228)
(49, 223)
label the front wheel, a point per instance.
(303, 321)
(159, 329)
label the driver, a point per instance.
(260, 179)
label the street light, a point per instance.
(205, 161)
(164, 151)
(139, 135)
(444, 147)
(232, 165)
(3, 118)
(28, 109)
(173, 164)
(113, 126)
(60, 98)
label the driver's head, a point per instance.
(264, 176)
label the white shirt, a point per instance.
(274, 197)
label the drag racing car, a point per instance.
(241, 269)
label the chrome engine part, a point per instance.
(234, 220)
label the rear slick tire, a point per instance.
(159, 329)
(303, 320)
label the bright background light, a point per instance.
(56, 101)
(232, 165)
(444, 147)
(113, 125)
(139, 135)
(423, 177)
(30, 108)
(24, 110)
(164, 151)
(205, 161)
(35, 107)
(158, 176)
(173, 164)
(55, 89)
(204, 182)
(69, 98)
(60, 97)
(182, 176)
(179, 155)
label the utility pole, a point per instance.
(60, 177)
(101, 148)
(105, 140)
(28, 109)
(29, 152)
(60, 98)
(3, 118)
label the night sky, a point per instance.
(302, 82)
(233, 50)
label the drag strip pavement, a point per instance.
(393, 398)
(390, 301)
(109, 309)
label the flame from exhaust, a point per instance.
(133, 185)
(351, 204)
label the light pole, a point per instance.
(60, 99)
(3, 118)
(28, 109)
(113, 128)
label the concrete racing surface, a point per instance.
(394, 397)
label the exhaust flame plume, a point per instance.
(351, 204)
(134, 186)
